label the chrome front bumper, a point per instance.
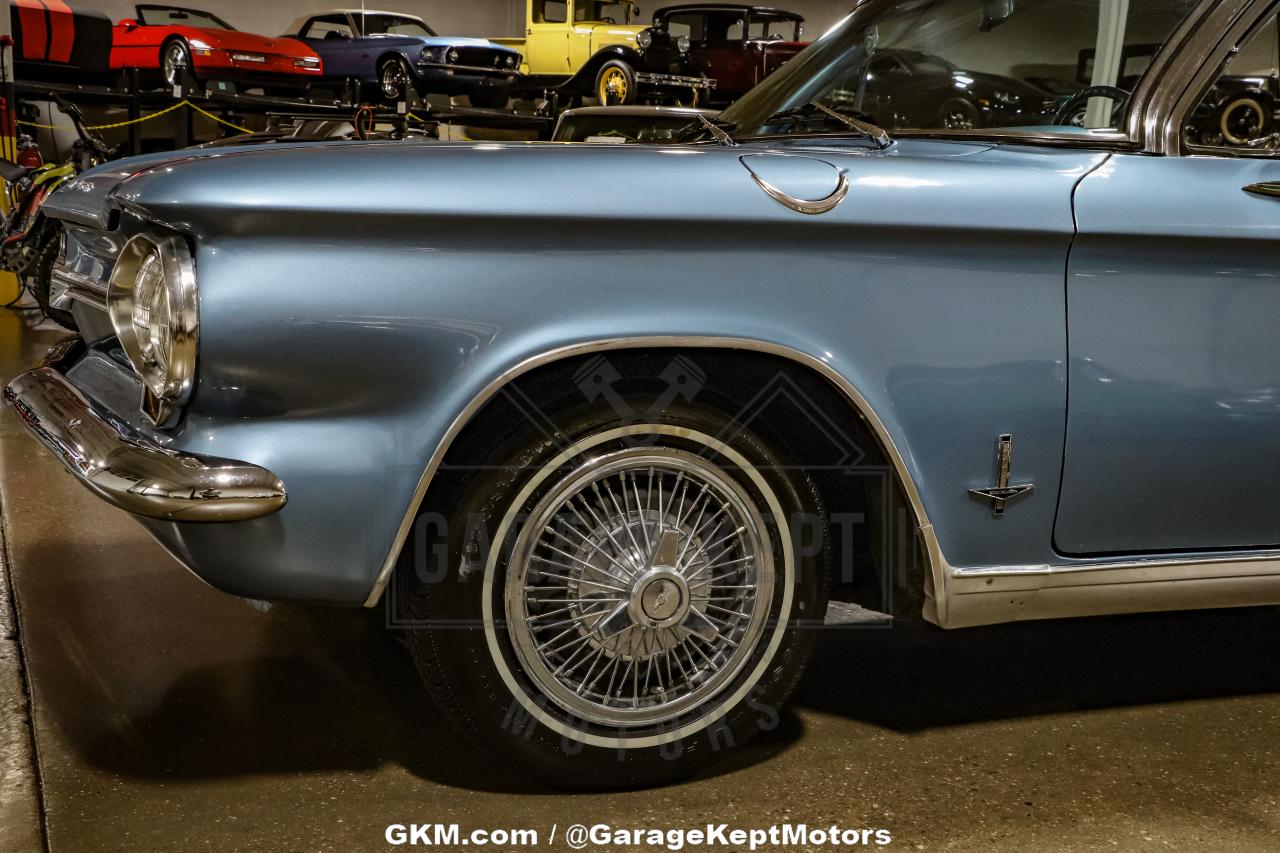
(130, 471)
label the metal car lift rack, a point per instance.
(223, 99)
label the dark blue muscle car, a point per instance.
(398, 52)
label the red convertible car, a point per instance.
(170, 39)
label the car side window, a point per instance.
(1238, 113)
(328, 28)
(550, 12)
(690, 26)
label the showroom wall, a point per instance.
(471, 18)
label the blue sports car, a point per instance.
(605, 427)
(395, 52)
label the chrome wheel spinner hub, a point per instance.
(639, 587)
(660, 600)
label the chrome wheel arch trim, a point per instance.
(935, 602)
(726, 703)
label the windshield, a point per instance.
(162, 16)
(774, 29)
(958, 65)
(612, 13)
(392, 25)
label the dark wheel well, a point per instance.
(876, 556)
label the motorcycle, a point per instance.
(29, 241)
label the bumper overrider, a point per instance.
(125, 468)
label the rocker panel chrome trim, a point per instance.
(1010, 594)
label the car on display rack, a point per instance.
(600, 49)
(735, 45)
(398, 53)
(57, 43)
(913, 88)
(175, 41)
(626, 124)
(591, 420)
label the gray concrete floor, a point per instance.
(169, 716)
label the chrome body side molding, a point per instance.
(1014, 593)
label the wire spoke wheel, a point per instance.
(640, 587)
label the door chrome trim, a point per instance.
(936, 608)
(1180, 84)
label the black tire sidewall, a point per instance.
(457, 664)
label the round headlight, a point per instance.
(152, 302)
(683, 44)
(511, 61)
(454, 56)
(644, 39)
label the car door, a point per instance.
(1173, 298)
(547, 37)
(333, 37)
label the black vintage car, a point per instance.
(907, 88)
(1237, 111)
(734, 44)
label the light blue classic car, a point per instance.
(605, 426)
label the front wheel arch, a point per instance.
(583, 81)
(904, 514)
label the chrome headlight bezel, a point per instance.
(166, 366)
(644, 39)
(683, 44)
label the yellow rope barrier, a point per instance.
(208, 114)
(164, 111)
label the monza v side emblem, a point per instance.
(1003, 493)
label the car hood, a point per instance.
(249, 42)
(244, 189)
(454, 41)
(607, 34)
(436, 41)
(91, 199)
